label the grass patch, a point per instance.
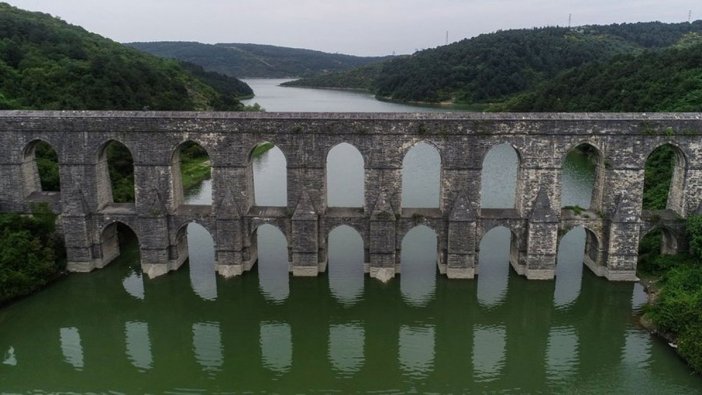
(193, 171)
(261, 149)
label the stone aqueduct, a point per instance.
(614, 223)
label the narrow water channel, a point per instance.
(188, 332)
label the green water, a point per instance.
(95, 333)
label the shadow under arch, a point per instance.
(113, 236)
(582, 172)
(115, 167)
(663, 186)
(499, 177)
(419, 260)
(498, 247)
(345, 176)
(268, 175)
(192, 152)
(421, 176)
(40, 169)
(346, 254)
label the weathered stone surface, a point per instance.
(614, 223)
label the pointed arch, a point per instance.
(190, 162)
(582, 177)
(40, 168)
(268, 175)
(115, 174)
(664, 181)
(421, 176)
(345, 176)
(499, 178)
(112, 236)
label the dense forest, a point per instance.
(492, 68)
(668, 80)
(360, 78)
(254, 60)
(46, 63)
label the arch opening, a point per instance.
(582, 177)
(269, 175)
(655, 249)
(192, 172)
(499, 177)
(419, 260)
(196, 242)
(498, 247)
(346, 259)
(273, 262)
(664, 180)
(421, 177)
(578, 247)
(116, 239)
(40, 168)
(115, 174)
(345, 176)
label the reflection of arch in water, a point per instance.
(268, 175)
(105, 192)
(594, 156)
(675, 200)
(421, 176)
(177, 171)
(345, 176)
(33, 181)
(346, 347)
(110, 241)
(499, 178)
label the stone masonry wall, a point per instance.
(614, 223)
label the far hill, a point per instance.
(46, 63)
(493, 67)
(254, 60)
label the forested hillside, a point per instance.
(669, 80)
(254, 60)
(493, 67)
(46, 63)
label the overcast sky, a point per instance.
(358, 27)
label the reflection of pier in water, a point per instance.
(484, 345)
